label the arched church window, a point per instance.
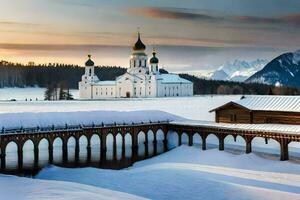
(140, 63)
(90, 72)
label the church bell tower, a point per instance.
(138, 58)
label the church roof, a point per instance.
(172, 78)
(89, 62)
(139, 45)
(105, 83)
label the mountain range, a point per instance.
(284, 70)
(238, 70)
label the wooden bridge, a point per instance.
(19, 137)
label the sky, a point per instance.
(189, 35)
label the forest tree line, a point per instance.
(203, 86)
(19, 75)
(62, 77)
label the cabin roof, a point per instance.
(266, 103)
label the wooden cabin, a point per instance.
(260, 110)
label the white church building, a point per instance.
(141, 80)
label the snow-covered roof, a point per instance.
(272, 128)
(172, 78)
(268, 103)
(271, 103)
(105, 83)
(46, 119)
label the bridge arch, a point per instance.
(160, 136)
(71, 144)
(43, 147)
(57, 150)
(173, 139)
(212, 141)
(109, 146)
(141, 143)
(184, 138)
(235, 143)
(95, 147)
(83, 144)
(28, 153)
(11, 158)
(262, 146)
(128, 145)
(197, 140)
(151, 143)
(119, 145)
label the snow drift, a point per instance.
(190, 173)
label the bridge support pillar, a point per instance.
(204, 142)
(284, 149)
(165, 141)
(3, 160)
(103, 154)
(135, 149)
(180, 139)
(65, 151)
(114, 148)
(146, 146)
(123, 147)
(50, 151)
(36, 155)
(221, 143)
(248, 141)
(103, 147)
(20, 158)
(77, 150)
(191, 142)
(89, 151)
(154, 146)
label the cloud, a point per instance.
(293, 19)
(212, 17)
(163, 13)
(17, 23)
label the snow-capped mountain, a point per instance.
(283, 70)
(238, 70)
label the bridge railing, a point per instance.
(69, 127)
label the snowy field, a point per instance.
(190, 173)
(22, 94)
(19, 188)
(183, 173)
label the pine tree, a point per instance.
(49, 92)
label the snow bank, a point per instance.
(189, 173)
(17, 188)
(46, 119)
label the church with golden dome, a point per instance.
(142, 79)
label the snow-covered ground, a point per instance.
(183, 173)
(18, 188)
(33, 93)
(195, 108)
(190, 173)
